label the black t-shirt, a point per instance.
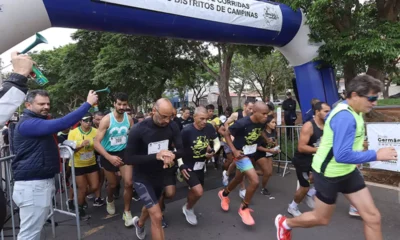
(195, 143)
(271, 139)
(145, 140)
(183, 123)
(246, 135)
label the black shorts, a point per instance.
(107, 165)
(79, 171)
(196, 178)
(328, 188)
(169, 175)
(303, 173)
(149, 189)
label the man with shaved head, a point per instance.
(196, 139)
(150, 149)
(246, 133)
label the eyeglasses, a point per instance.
(87, 120)
(371, 98)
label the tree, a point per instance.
(361, 37)
(269, 75)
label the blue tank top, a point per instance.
(116, 136)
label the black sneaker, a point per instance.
(135, 196)
(98, 202)
(164, 223)
(70, 205)
(85, 205)
(82, 214)
(265, 192)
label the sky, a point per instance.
(56, 37)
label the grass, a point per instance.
(389, 101)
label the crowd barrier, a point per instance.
(288, 137)
(67, 154)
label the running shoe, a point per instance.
(140, 231)
(225, 178)
(265, 192)
(98, 202)
(189, 214)
(242, 193)
(135, 196)
(110, 207)
(224, 201)
(309, 200)
(245, 214)
(127, 217)
(281, 232)
(294, 211)
(353, 211)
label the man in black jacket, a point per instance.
(289, 106)
(37, 159)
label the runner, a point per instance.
(268, 146)
(334, 164)
(149, 149)
(196, 139)
(310, 138)
(229, 165)
(110, 143)
(247, 132)
(86, 168)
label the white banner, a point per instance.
(249, 13)
(382, 135)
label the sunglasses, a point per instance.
(87, 120)
(371, 98)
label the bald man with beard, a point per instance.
(150, 149)
(246, 133)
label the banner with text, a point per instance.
(382, 135)
(249, 13)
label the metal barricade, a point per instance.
(67, 154)
(288, 137)
(7, 186)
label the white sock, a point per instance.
(293, 204)
(285, 225)
(311, 192)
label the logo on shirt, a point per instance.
(253, 136)
(200, 144)
(119, 130)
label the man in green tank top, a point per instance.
(110, 143)
(335, 163)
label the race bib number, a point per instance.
(86, 156)
(198, 166)
(249, 149)
(156, 147)
(115, 141)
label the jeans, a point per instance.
(34, 201)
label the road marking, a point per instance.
(110, 216)
(93, 230)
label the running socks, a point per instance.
(285, 225)
(293, 204)
(226, 192)
(311, 192)
(244, 205)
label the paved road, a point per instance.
(215, 224)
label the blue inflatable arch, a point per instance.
(231, 21)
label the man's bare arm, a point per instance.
(305, 135)
(103, 126)
(231, 119)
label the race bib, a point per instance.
(115, 141)
(86, 156)
(198, 166)
(249, 149)
(156, 147)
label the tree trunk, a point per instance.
(224, 75)
(349, 72)
(375, 72)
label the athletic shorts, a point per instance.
(169, 175)
(303, 173)
(149, 189)
(79, 171)
(244, 164)
(328, 188)
(107, 165)
(196, 178)
(227, 149)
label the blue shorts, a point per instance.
(244, 164)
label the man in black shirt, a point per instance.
(149, 148)
(246, 132)
(196, 140)
(185, 119)
(310, 137)
(290, 116)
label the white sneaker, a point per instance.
(225, 179)
(110, 207)
(309, 201)
(140, 231)
(294, 211)
(127, 217)
(190, 216)
(242, 193)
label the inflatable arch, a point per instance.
(232, 21)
